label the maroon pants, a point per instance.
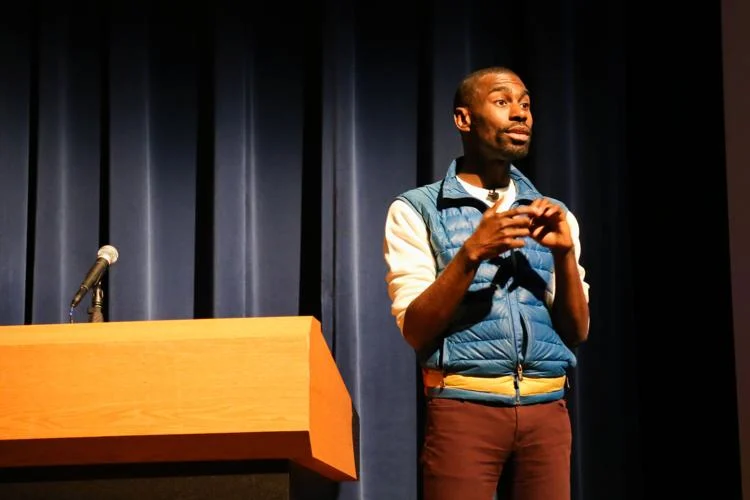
(468, 447)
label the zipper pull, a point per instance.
(519, 369)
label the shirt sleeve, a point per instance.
(575, 233)
(410, 263)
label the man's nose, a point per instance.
(519, 113)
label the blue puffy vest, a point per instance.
(501, 345)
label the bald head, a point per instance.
(466, 91)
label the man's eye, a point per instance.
(501, 102)
(525, 105)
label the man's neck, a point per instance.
(485, 174)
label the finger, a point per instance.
(540, 203)
(522, 210)
(514, 243)
(494, 208)
(498, 202)
(515, 227)
(539, 231)
(553, 212)
(518, 221)
(514, 232)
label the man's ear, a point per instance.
(462, 118)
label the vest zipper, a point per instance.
(518, 376)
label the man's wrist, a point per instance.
(470, 256)
(563, 252)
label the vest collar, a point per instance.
(452, 189)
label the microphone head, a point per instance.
(108, 253)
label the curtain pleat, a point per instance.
(16, 174)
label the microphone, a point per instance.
(105, 257)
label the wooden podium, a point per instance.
(174, 409)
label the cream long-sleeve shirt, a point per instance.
(410, 263)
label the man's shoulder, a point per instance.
(420, 195)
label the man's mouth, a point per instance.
(519, 134)
(518, 131)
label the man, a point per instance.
(486, 286)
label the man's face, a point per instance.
(500, 117)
